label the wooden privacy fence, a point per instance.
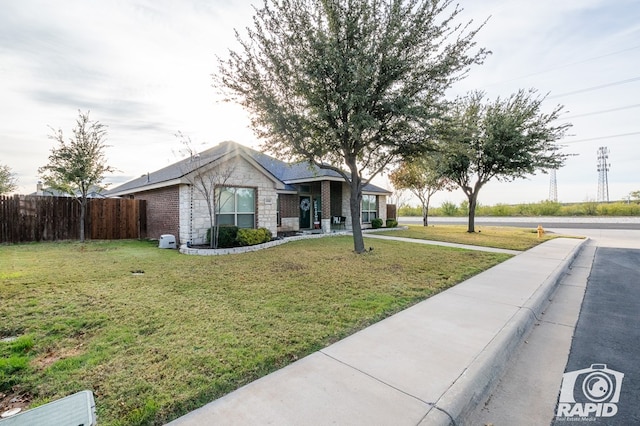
(26, 218)
(392, 211)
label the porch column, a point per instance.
(325, 195)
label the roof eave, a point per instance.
(149, 187)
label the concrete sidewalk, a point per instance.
(428, 365)
(441, 243)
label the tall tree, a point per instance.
(8, 181)
(506, 139)
(349, 84)
(78, 165)
(422, 179)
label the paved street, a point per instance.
(599, 222)
(607, 274)
(608, 333)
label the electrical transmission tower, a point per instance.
(553, 186)
(603, 169)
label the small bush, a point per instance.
(409, 211)
(251, 237)
(590, 208)
(502, 210)
(448, 208)
(391, 223)
(227, 236)
(376, 223)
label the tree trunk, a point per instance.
(355, 203)
(425, 215)
(83, 209)
(425, 211)
(472, 211)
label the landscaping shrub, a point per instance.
(392, 223)
(376, 223)
(227, 236)
(251, 237)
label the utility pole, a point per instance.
(603, 169)
(553, 186)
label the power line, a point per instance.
(593, 58)
(588, 89)
(603, 137)
(600, 112)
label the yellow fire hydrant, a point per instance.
(540, 231)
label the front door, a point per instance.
(305, 212)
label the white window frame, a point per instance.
(233, 212)
(371, 212)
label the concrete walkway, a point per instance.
(441, 243)
(428, 365)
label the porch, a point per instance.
(323, 207)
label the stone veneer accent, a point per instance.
(194, 217)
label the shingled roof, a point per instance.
(287, 173)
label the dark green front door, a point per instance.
(305, 212)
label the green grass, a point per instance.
(486, 236)
(190, 329)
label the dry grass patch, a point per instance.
(485, 236)
(183, 330)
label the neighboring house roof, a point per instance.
(287, 173)
(94, 192)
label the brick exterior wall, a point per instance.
(162, 211)
(325, 196)
(289, 212)
(289, 205)
(182, 211)
(336, 199)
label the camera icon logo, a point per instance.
(590, 391)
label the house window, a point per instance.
(237, 206)
(369, 208)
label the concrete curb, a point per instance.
(476, 383)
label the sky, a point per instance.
(143, 68)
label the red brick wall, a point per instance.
(289, 205)
(163, 207)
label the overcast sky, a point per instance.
(144, 69)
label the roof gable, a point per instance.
(285, 173)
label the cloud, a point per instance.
(144, 69)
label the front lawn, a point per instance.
(486, 236)
(155, 334)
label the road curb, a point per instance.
(478, 380)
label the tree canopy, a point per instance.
(8, 181)
(348, 84)
(505, 139)
(79, 164)
(422, 178)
